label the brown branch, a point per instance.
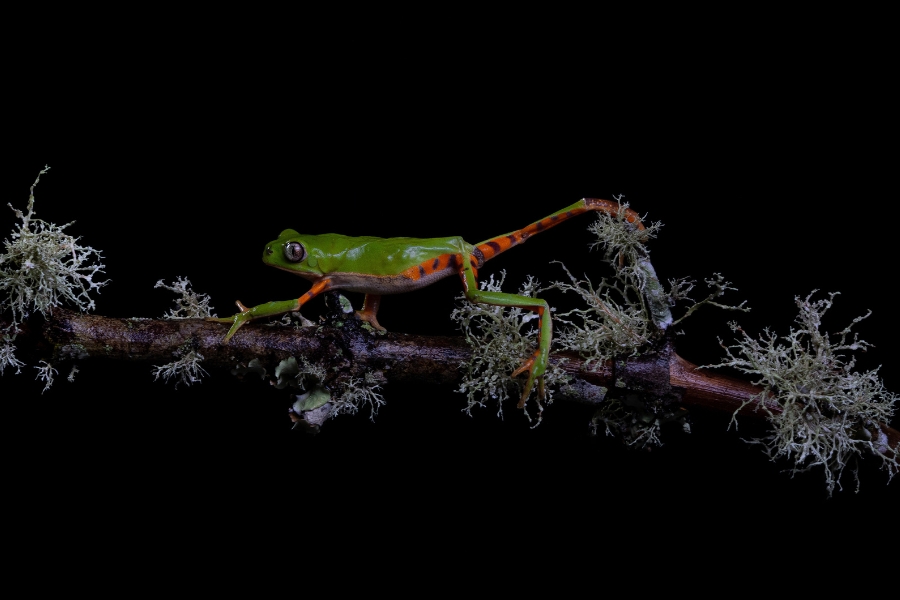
(71, 336)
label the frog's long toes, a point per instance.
(526, 366)
(526, 393)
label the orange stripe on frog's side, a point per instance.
(431, 267)
(498, 245)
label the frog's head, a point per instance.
(293, 252)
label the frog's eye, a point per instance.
(294, 251)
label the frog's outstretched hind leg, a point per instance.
(535, 366)
(497, 245)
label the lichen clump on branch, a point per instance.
(500, 339)
(823, 413)
(621, 316)
(42, 267)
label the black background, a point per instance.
(194, 177)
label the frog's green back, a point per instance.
(336, 253)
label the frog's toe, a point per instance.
(536, 365)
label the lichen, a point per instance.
(358, 393)
(300, 374)
(291, 319)
(619, 315)
(42, 267)
(318, 403)
(8, 354)
(190, 304)
(184, 369)
(679, 290)
(625, 314)
(501, 340)
(822, 412)
(46, 373)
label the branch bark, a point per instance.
(70, 336)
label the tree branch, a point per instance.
(351, 351)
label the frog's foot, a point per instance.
(369, 317)
(235, 320)
(370, 308)
(536, 366)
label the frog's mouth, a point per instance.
(303, 274)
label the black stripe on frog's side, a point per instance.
(479, 257)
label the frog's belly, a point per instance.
(411, 279)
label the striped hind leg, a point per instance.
(494, 246)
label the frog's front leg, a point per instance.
(537, 364)
(269, 309)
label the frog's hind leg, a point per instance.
(494, 246)
(536, 365)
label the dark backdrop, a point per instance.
(194, 185)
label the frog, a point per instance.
(379, 267)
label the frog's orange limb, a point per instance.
(494, 246)
(537, 364)
(318, 287)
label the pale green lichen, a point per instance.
(501, 340)
(344, 395)
(8, 354)
(45, 374)
(624, 315)
(628, 315)
(42, 267)
(823, 413)
(184, 369)
(300, 374)
(313, 407)
(625, 248)
(621, 315)
(614, 320)
(680, 288)
(358, 393)
(190, 304)
(291, 319)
